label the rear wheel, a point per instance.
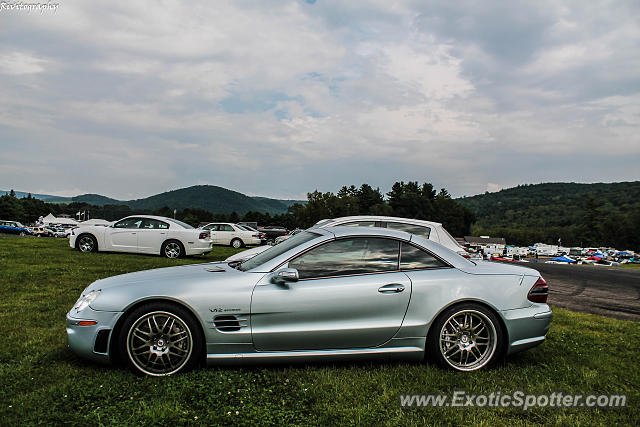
(237, 243)
(86, 243)
(466, 337)
(172, 249)
(160, 339)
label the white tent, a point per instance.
(50, 219)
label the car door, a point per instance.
(351, 294)
(151, 234)
(226, 233)
(123, 236)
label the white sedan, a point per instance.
(143, 234)
(225, 233)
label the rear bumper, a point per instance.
(199, 247)
(527, 327)
(83, 340)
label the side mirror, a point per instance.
(285, 275)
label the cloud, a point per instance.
(280, 98)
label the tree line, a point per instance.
(409, 200)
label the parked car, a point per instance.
(14, 227)
(40, 231)
(55, 231)
(431, 230)
(272, 232)
(325, 294)
(288, 235)
(261, 236)
(225, 233)
(143, 234)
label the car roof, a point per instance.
(381, 219)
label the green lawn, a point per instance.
(41, 381)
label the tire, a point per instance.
(160, 339)
(466, 337)
(86, 243)
(172, 249)
(237, 243)
(22, 234)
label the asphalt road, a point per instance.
(609, 291)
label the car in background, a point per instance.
(433, 231)
(325, 294)
(226, 233)
(261, 235)
(288, 235)
(55, 231)
(14, 227)
(272, 232)
(144, 234)
(40, 231)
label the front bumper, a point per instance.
(89, 341)
(527, 327)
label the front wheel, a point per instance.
(466, 337)
(86, 243)
(160, 339)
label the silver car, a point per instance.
(324, 294)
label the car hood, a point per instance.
(182, 274)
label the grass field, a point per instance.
(41, 381)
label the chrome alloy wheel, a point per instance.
(468, 340)
(172, 250)
(159, 343)
(86, 244)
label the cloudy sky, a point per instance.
(278, 98)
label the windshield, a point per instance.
(277, 250)
(19, 224)
(246, 227)
(180, 223)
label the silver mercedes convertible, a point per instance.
(324, 294)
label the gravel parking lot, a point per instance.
(609, 291)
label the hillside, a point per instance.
(208, 197)
(211, 198)
(552, 203)
(604, 214)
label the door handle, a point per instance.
(392, 288)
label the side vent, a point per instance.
(229, 323)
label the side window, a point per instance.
(418, 230)
(348, 256)
(154, 224)
(413, 258)
(211, 227)
(129, 223)
(225, 227)
(359, 224)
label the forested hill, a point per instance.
(577, 213)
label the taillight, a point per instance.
(204, 235)
(255, 235)
(539, 292)
(464, 254)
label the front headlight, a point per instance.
(85, 300)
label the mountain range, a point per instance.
(208, 197)
(547, 204)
